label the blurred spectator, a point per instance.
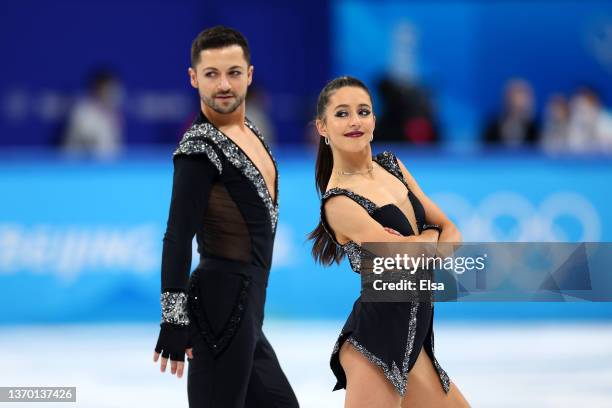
(515, 126)
(407, 110)
(95, 123)
(590, 126)
(407, 113)
(555, 132)
(257, 110)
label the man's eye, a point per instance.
(209, 74)
(235, 73)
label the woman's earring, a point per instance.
(326, 140)
(372, 137)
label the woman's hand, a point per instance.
(429, 235)
(392, 231)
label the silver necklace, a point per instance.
(353, 173)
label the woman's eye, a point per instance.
(364, 112)
(341, 114)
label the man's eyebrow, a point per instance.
(216, 69)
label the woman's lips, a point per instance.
(353, 134)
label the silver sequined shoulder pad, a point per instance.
(388, 161)
(197, 140)
(201, 138)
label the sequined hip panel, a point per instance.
(223, 295)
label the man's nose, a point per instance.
(224, 84)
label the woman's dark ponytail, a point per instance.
(323, 169)
(324, 249)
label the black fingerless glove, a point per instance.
(172, 342)
(174, 333)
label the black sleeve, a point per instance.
(194, 176)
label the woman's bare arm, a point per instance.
(434, 214)
(351, 222)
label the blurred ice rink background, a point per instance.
(506, 366)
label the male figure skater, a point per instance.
(225, 192)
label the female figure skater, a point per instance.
(384, 356)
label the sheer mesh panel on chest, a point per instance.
(224, 230)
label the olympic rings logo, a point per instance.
(510, 216)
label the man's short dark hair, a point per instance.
(218, 37)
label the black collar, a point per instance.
(201, 119)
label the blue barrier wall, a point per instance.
(82, 241)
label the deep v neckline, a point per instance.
(203, 134)
(412, 229)
(375, 207)
(256, 133)
(352, 249)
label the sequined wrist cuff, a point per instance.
(432, 226)
(174, 308)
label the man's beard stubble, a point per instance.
(212, 103)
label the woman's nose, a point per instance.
(354, 121)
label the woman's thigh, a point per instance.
(366, 386)
(425, 391)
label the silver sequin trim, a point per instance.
(188, 146)
(263, 190)
(351, 248)
(388, 160)
(353, 253)
(369, 206)
(174, 308)
(207, 132)
(444, 380)
(397, 377)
